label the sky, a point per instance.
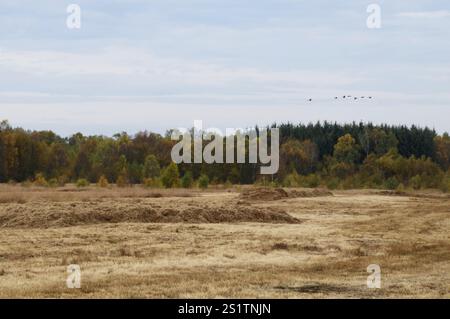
(160, 64)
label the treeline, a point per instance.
(323, 154)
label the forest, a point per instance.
(337, 156)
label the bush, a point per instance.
(121, 181)
(392, 183)
(62, 180)
(53, 182)
(400, 188)
(26, 183)
(416, 182)
(332, 183)
(228, 184)
(444, 187)
(40, 180)
(187, 181)
(445, 184)
(103, 182)
(292, 180)
(82, 182)
(152, 182)
(170, 177)
(203, 181)
(348, 183)
(312, 181)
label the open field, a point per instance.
(139, 243)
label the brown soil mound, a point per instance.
(316, 192)
(270, 194)
(80, 213)
(264, 194)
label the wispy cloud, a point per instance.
(135, 65)
(426, 14)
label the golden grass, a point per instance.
(325, 256)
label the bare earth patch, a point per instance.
(115, 211)
(271, 194)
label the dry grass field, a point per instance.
(139, 243)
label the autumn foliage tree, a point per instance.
(348, 155)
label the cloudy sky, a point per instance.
(161, 64)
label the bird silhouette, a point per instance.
(309, 100)
(356, 98)
(343, 97)
(335, 97)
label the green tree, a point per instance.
(346, 150)
(203, 181)
(170, 176)
(442, 150)
(187, 180)
(382, 142)
(151, 167)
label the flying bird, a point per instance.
(309, 100)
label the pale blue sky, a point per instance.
(161, 64)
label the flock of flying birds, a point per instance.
(349, 97)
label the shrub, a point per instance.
(444, 187)
(121, 181)
(40, 180)
(445, 184)
(170, 177)
(53, 182)
(416, 182)
(332, 183)
(392, 183)
(292, 180)
(348, 183)
(152, 182)
(312, 181)
(187, 181)
(62, 180)
(82, 182)
(103, 182)
(26, 183)
(400, 188)
(203, 181)
(228, 184)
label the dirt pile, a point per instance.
(316, 192)
(263, 194)
(80, 213)
(271, 194)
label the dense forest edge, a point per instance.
(336, 156)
